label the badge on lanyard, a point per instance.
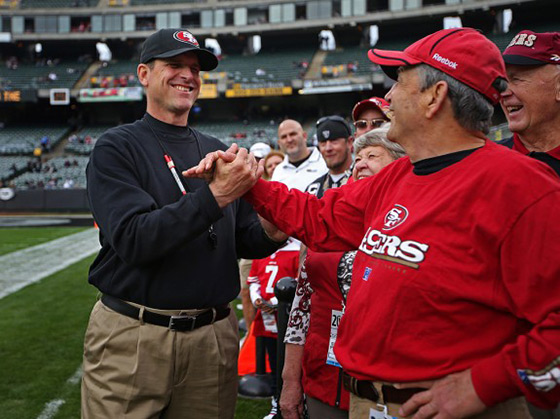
(335, 321)
(269, 321)
(380, 414)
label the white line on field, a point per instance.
(23, 267)
(51, 408)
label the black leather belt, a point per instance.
(183, 323)
(366, 390)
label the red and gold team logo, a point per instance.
(184, 36)
(395, 217)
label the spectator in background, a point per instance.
(271, 161)
(301, 164)
(531, 102)
(260, 150)
(369, 114)
(334, 136)
(320, 381)
(45, 144)
(262, 279)
(68, 183)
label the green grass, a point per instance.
(41, 337)
(12, 239)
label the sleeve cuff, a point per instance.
(209, 205)
(492, 382)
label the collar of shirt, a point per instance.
(518, 146)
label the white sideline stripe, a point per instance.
(51, 409)
(75, 379)
(23, 267)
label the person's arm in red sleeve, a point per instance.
(334, 222)
(530, 265)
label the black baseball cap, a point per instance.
(167, 43)
(332, 128)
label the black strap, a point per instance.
(179, 323)
(366, 390)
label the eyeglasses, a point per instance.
(363, 123)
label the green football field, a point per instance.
(41, 338)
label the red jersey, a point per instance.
(266, 272)
(457, 269)
(518, 146)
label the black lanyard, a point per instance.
(212, 237)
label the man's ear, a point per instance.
(143, 71)
(434, 98)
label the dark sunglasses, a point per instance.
(363, 123)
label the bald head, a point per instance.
(292, 140)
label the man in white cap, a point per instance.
(260, 150)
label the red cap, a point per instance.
(372, 102)
(464, 54)
(531, 48)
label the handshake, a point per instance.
(230, 174)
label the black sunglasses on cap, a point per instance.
(375, 123)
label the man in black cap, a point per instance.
(162, 341)
(335, 139)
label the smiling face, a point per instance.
(337, 154)
(271, 163)
(404, 98)
(172, 86)
(368, 115)
(292, 140)
(370, 160)
(531, 101)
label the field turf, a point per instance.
(41, 337)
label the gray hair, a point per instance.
(471, 109)
(378, 137)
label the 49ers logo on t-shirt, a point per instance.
(395, 217)
(184, 36)
(392, 248)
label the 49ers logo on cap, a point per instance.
(184, 36)
(395, 217)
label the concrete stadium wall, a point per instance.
(47, 200)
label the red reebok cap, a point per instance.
(531, 48)
(462, 53)
(372, 102)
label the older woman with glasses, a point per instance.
(310, 366)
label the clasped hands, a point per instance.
(230, 174)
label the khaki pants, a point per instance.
(511, 409)
(135, 370)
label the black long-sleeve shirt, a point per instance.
(155, 241)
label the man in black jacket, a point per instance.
(162, 341)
